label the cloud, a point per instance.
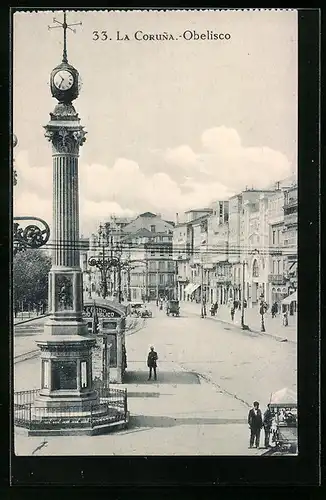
(183, 156)
(222, 167)
(223, 159)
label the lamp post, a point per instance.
(243, 326)
(102, 263)
(262, 310)
(176, 281)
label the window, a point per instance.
(161, 265)
(153, 229)
(255, 269)
(273, 238)
(161, 279)
(112, 339)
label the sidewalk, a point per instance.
(179, 414)
(252, 318)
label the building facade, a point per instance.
(241, 248)
(290, 237)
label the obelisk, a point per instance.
(66, 349)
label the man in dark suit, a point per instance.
(151, 363)
(255, 422)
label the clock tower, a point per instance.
(66, 349)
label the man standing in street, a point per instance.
(255, 423)
(151, 363)
(267, 422)
(232, 313)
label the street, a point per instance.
(209, 373)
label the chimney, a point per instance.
(177, 218)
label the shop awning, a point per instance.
(290, 298)
(293, 267)
(285, 396)
(189, 290)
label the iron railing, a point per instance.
(112, 407)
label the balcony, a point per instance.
(277, 279)
(290, 219)
(222, 279)
(182, 279)
(275, 251)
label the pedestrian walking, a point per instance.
(285, 319)
(267, 423)
(274, 310)
(255, 423)
(232, 313)
(152, 363)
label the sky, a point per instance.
(172, 124)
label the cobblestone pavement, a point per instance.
(208, 375)
(252, 318)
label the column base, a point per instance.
(66, 401)
(65, 326)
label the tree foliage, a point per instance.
(30, 276)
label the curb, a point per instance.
(26, 355)
(277, 337)
(31, 319)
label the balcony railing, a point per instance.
(277, 279)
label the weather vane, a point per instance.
(64, 26)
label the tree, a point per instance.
(30, 276)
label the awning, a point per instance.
(285, 396)
(290, 298)
(189, 290)
(293, 267)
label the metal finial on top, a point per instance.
(64, 26)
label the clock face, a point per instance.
(63, 80)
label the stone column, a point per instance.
(65, 283)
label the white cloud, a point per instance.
(221, 139)
(226, 161)
(222, 168)
(183, 156)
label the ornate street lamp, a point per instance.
(103, 263)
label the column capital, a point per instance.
(64, 130)
(65, 139)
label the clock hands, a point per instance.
(62, 79)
